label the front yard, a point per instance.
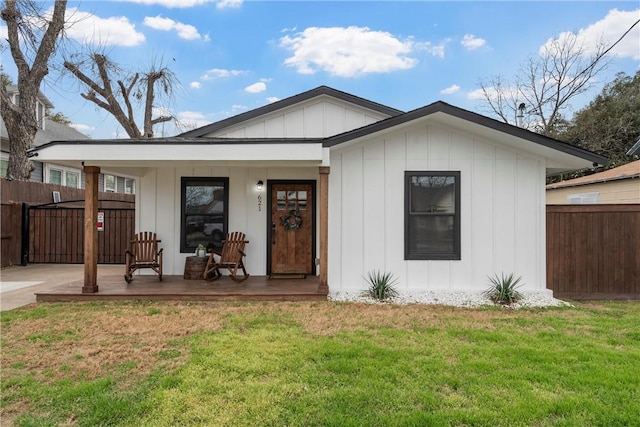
(319, 364)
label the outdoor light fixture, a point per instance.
(259, 185)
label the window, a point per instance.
(4, 165)
(129, 186)
(432, 215)
(204, 212)
(109, 183)
(584, 199)
(62, 176)
(72, 179)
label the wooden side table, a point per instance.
(194, 267)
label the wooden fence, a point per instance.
(61, 239)
(593, 251)
(56, 235)
(36, 193)
(11, 233)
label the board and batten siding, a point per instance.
(502, 211)
(317, 118)
(159, 200)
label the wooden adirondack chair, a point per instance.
(144, 253)
(230, 258)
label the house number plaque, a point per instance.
(259, 202)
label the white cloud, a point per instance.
(228, 4)
(185, 31)
(351, 51)
(171, 3)
(91, 29)
(608, 30)
(191, 120)
(272, 99)
(195, 85)
(477, 94)
(86, 129)
(450, 90)
(506, 91)
(235, 108)
(471, 42)
(256, 87)
(219, 73)
(3, 33)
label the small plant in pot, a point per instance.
(504, 289)
(201, 250)
(382, 286)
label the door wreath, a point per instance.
(291, 221)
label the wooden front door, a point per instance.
(291, 230)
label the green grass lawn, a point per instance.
(320, 364)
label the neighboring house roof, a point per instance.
(53, 131)
(626, 171)
(11, 89)
(292, 100)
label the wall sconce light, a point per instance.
(259, 185)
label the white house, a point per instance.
(439, 196)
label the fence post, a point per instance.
(24, 235)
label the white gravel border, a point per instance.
(455, 299)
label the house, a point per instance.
(326, 183)
(619, 185)
(53, 173)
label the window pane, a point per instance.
(129, 186)
(4, 164)
(432, 194)
(432, 215)
(431, 234)
(110, 183)
(55, 176)
(204, 214)
(72, 179)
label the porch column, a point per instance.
(324, 227)
(91, 230)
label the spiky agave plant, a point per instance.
(382, 286)
(504, 289)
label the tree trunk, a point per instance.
(20, 119)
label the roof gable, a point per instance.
(289, 102)
(450, 115)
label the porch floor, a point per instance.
(175, 288)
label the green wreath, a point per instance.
(291, 221)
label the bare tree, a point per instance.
(32, 40)
(95, 72)
(546, 83)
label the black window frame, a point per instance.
(411, 255)
(186, 181)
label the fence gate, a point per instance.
(56, 234)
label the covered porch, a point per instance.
(165, 172)
(176, 288)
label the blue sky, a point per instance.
(231, 56)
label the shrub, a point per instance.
(504, 289)
(382, 286)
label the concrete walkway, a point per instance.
(19, 284)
